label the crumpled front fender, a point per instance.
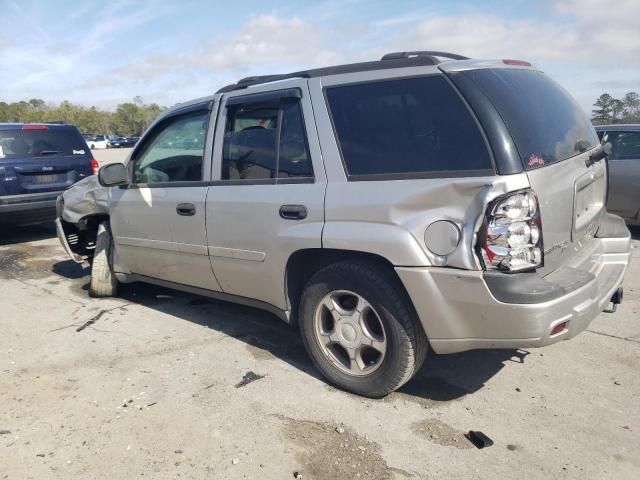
(87, 197)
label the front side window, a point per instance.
(408, 127)
(624, 145)
(174, 153)
(265, 141)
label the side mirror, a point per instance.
(112, 175)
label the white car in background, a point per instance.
(98, 141)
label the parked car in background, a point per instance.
(624, 170)
(98, 142)
(422, 201)
(37, 162)
(116, 141)
(121, 142)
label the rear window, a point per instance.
(406, 128)
(41, 143)
(547, 125)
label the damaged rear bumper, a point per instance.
(464, 310)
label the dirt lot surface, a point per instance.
(161, 384)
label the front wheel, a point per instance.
(103, 280)
(360, 329)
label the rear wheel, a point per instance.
(360, 329)
(103, 280)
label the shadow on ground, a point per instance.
(635, 232)
(442, 378)
(449, 377)
(10, 234)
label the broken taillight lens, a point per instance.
(510, 239)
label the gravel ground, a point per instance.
(162, 384)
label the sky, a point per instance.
(99, 53)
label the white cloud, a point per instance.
(264, 44)
(590, 37)
(581, 42)
(263, 40)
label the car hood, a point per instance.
(86, 197)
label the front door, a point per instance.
(268, 197)
(158, 220)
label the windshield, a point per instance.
(547, 125)
(36, 143)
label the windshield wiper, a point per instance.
(49, 152)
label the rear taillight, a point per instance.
(95, 166)
(510, 239)
(35, 127)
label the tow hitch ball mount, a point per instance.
(616, 299)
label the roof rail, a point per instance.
(423, 53)
(391, 60)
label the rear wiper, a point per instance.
(49, 152)
(602, 152)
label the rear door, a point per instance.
(268, 197)
(624, 173)
(158, 221)
(37, 159)
(553, 138)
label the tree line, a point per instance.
(133, 118)
(608, 109)
(128, 119)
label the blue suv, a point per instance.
(37, 163)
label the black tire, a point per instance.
(103, 280)
(406, 342)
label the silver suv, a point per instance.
(425, 200)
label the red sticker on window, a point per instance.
(535, 160)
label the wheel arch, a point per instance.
(303, 264)
(85, 231)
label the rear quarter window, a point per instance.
(406, 128)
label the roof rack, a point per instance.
(391, 60)
(423, 53)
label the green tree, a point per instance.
(603, 112)
(631, 110)
(130, 118)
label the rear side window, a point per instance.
(41, 143)
(624, 145)
(546, 123)
(406, 128)
(265, 141)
